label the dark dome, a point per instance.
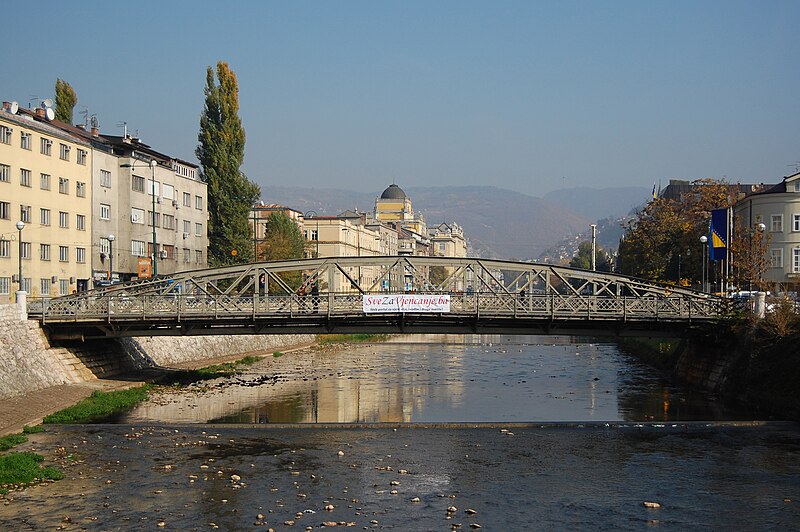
(393, 192)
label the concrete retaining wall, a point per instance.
(28, 362)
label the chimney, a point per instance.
(81, 126)
(7, 106)
(95, 132)
(40, 112)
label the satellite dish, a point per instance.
(48, 103)
(14, 107)
(50, 114)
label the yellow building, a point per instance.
(393, 206)
(45, 183)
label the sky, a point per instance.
(529, 96)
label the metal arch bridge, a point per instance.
(326, 295)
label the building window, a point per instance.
(137, 248)
(63, 219)
(150, 218)
(44, 216)
(25, 213)
(105, 211)
(776, 258)
(63, 287)
(5, 210)
(63, 152)
(44, 287)
(26, 285)
(198, 229)
(776, 225)
(187, 228)
(153, 187)
(198, 203)
(45, 146)
(137, 216)
(168, 192)
(80, 255)
(5, 173)
(796, 222)
(5, 285)
(81, 157)
(169, 251)
(105, 245)
(187, 254)
(198, 256)
(24, 177)
(169, 222)
(105, 178)
(137, 183)
(796, 260)
(80, 189)
(63, 253)
(80, 222)
(5, 134)
(187, 199)
(44, 251)
(5, 248)
(44, 181)
(63, 185)
(26, 250)
(25, 141)
(797, 186)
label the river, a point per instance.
(444, 433)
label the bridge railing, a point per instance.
(177, 307)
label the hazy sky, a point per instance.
(531, 96)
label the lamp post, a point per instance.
(760, 227)
(704, 242)
(309, 215)
(20, 227)
(594, 247)
(110, 239)
(153, 164)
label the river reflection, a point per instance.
(439, 379)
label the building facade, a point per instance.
(45, 183)
(778, 209)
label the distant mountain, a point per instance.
(497, 222)
(598, 203)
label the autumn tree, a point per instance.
(66, 99)
(284, 240)
(221, 154)
(583, 259)
(750, 249)
(662, 242)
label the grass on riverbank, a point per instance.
(325, 339)
(214, 371)
(19, 469)
(100, 405)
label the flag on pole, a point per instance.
(718, 235)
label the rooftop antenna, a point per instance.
(795, 165)
(85, 113)
(33, 98)
(124, 126)
(94, 121)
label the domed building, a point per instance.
(393, 206)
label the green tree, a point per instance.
(583, 259)
(221, 154)
(284, 240)
(66, 99)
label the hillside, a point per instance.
(498, 223)
(598, 203)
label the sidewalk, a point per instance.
(31, 408)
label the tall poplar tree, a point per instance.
(221, 154)
(66, 99)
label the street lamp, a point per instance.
(153, 164)
(20, 226)
(110, 239)
(309, 215)
(704, 241)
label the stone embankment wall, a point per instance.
(28, 362)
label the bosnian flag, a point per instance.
(718, 234)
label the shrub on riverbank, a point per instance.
(19, 469)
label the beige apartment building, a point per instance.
(45, 183)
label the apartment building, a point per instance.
(45, 184)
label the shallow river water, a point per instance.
(501, 433)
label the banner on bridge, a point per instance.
(405, 303)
